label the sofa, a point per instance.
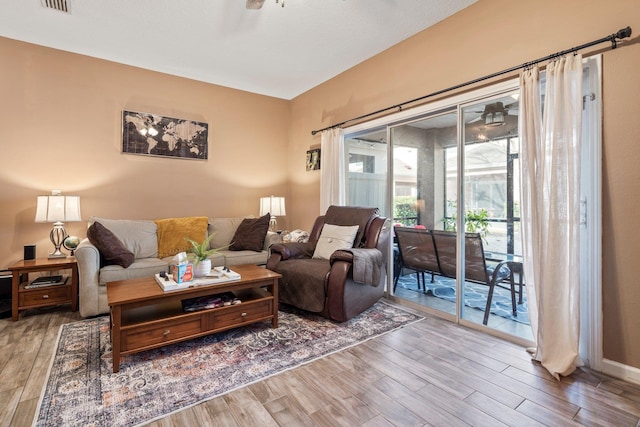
(152, 245)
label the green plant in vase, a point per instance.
(200, 253)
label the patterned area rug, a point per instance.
(83, 390)
(475, 296)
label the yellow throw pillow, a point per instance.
(172, 234)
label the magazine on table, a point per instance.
(210, 301)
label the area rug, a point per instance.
(82, 389)
(475, 296)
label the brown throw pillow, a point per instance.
(250, 234)
(111, 248)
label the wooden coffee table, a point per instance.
(143, 316)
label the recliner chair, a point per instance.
(351, 281)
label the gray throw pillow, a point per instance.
(112, 251)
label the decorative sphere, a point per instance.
(71, 242)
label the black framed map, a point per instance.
(154, 135)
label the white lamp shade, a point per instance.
(58, 209)
(272, 205)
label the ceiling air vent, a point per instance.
(60, 5)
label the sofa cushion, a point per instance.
(232, 258)
(111, 249)
(333, 238)
(173, 234)
(250, 234)
(144, 267)
(223, 230)
(139, 236)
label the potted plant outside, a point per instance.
(200, 253)
(475, 221)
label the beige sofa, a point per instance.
(140, 237)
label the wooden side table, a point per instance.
(22, 298)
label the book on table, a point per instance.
(44, 281)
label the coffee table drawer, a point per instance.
(158, 333)
(245, 312)
(50, 295)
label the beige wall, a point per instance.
(487, 37)
(60, 128)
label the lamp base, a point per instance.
(273, 224)
(57, 236)
(55, 255)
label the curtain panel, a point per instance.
(551, 152)
(332, 169)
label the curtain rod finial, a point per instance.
(623, 33)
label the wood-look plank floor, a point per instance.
(430, 373)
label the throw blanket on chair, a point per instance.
(367, 264)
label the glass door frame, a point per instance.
(454, 103)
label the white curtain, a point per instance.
(332, 179)
(550, 154)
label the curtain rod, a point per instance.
(621, 34)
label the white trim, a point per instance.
(618, 370)
(591, 299)
(413, 113)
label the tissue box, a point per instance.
(182, 272)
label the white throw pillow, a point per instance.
(333, 238)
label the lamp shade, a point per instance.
(56, 208)
(272, 205)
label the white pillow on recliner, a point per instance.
(333, 238)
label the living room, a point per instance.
(62, 121)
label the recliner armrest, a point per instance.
(341, 255)
(292, 250)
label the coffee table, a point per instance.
(143, 316)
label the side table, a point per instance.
(22, 298)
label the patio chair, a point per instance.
(417, 252)
(476, 268)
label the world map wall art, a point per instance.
(154, 135)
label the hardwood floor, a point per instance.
(430, 373)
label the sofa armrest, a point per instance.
(88, 259)
(271, 239)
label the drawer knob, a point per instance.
(45, 296)
(244, 314)
(166, 332)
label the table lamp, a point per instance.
(58, 209)
(275, 207)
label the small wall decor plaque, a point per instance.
(154, 135)
(313, 159)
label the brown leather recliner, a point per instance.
(328, 287)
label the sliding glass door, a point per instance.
(447, 173)
(424, 164)
(491, 216)
(449, 181)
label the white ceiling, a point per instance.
(276, 51)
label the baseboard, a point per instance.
(618, 370)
